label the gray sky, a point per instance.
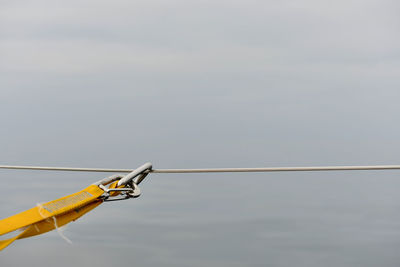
(205, 84)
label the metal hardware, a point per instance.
(127, 185)
(145, 167)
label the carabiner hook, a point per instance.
(141, 170)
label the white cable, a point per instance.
(63, 169)
(213, 170)
(281, 169)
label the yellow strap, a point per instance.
(50, 209)
(7, 242)
(51, 223)
(59, 220)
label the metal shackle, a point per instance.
(145, 167)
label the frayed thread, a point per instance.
(60, 230)
(40, 209)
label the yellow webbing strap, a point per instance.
(5, 243)
(52, 223)
(49, 210)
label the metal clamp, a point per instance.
(142, 170)
(133, 191)
(126, 186)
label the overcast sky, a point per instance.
(191, 84)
